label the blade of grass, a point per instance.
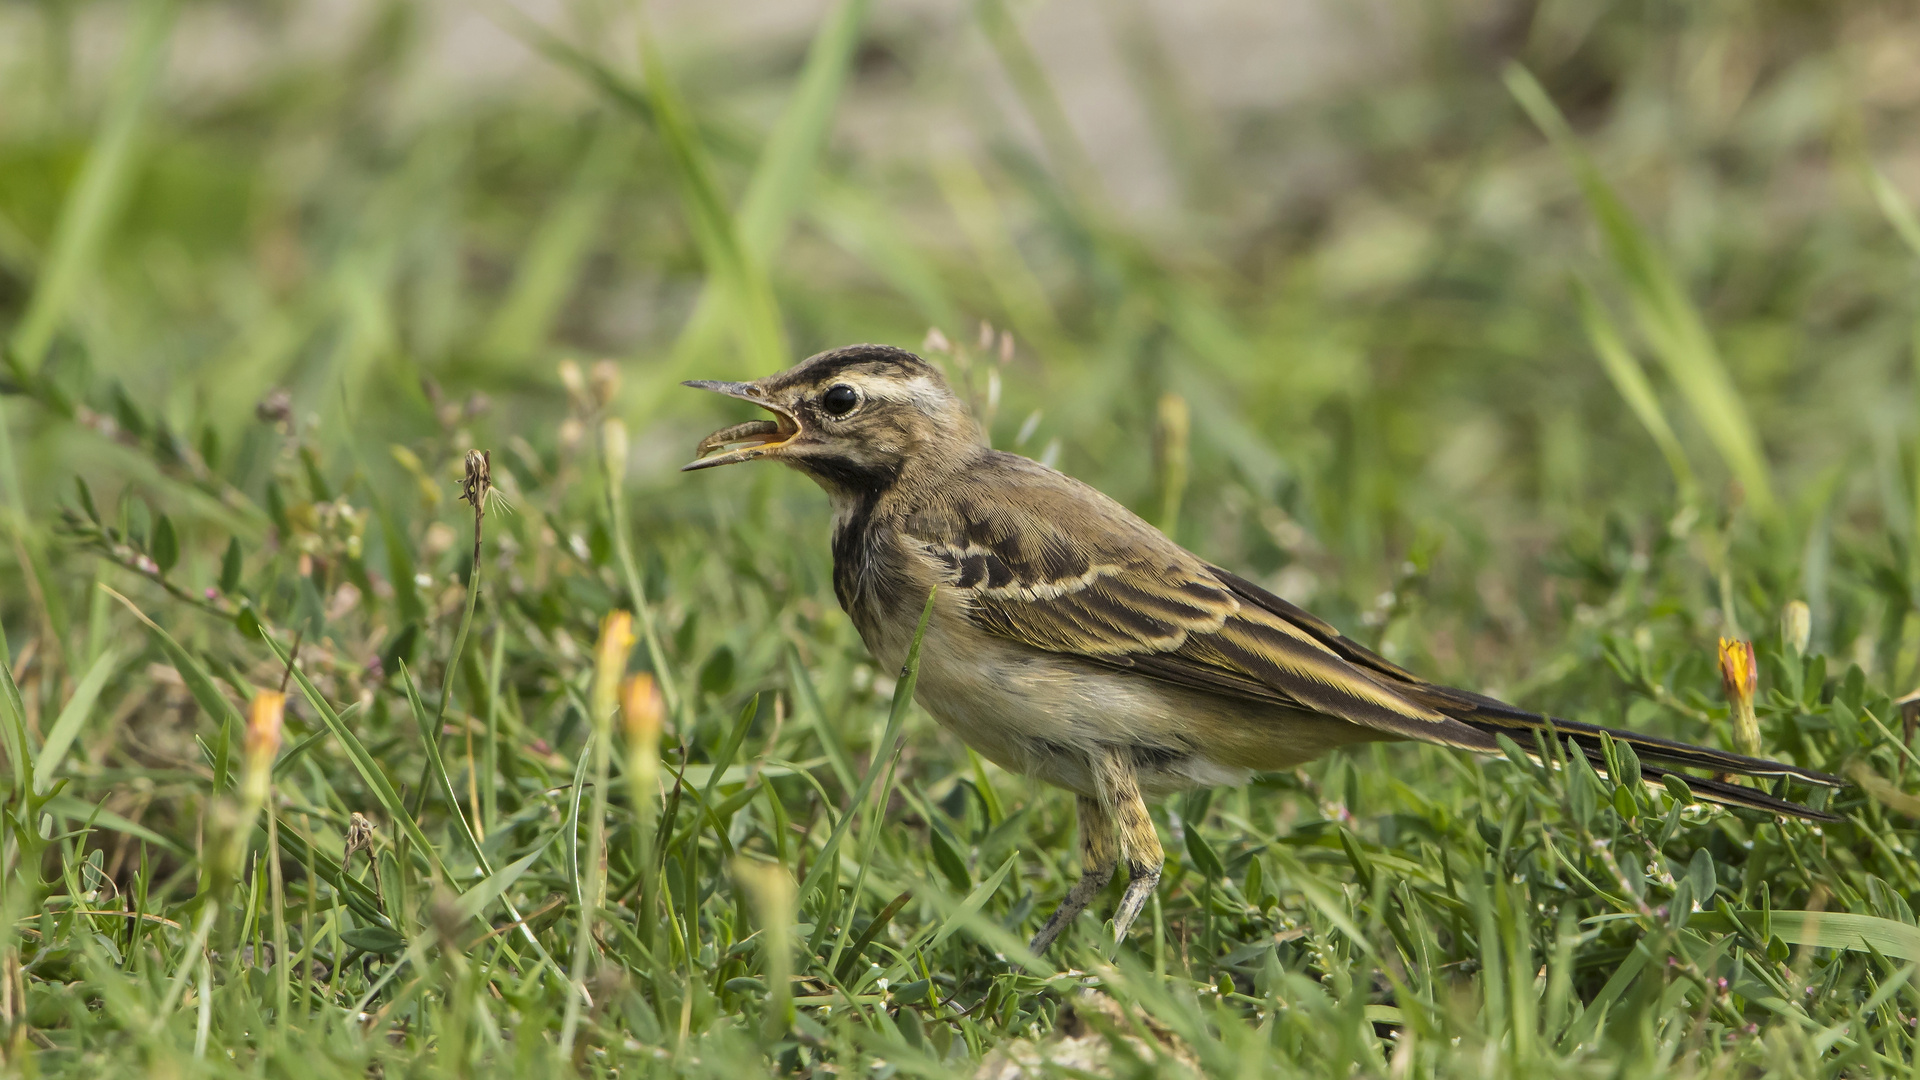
(1894, 205)
(470, 905)
(1029, 78)
(964, 914)
(546, 270)
(1018, 291)
(1826, 930)
(429, 737)
(364, 763)
(563, 53)
(958, 916)
(78, 809)
(1631, 381)
(1314, 889)
(1667, 318)
(1900, 215)
(720, 765)
(783, 176)
(474, 902)
(609, 667)
(807, 698)
(13, 723)
(870, 231)
(828, 859)
(754, 315)
(869, 836)
(658, 104)
(360, 899)
(200, 682)
(95, 198)
(843, 969)
(490, 746)
(67, 728)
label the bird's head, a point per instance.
(854, 419)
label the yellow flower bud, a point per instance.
(264, 719)
(609, 663)
(641, 708)
(260, 745)
(1739, 676)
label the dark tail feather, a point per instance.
(1496, 717)
(1725, 794)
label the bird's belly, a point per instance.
(1045, 716)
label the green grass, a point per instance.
(1541, 358)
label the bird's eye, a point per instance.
(839, 400)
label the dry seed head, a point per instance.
(573, 380)
(359, 836)
(275, 408)
(477, 488)
(605, 382)
(479, 479)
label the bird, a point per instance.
(1071, 641)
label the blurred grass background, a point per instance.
(1364, 287)
(1540, 344)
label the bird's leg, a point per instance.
(1099, 852)
(1119, 789)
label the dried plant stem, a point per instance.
(476, 489)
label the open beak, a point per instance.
(742, 442)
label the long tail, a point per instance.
(1497, 717)
(1490, 716)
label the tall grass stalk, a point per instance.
(609, 666)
